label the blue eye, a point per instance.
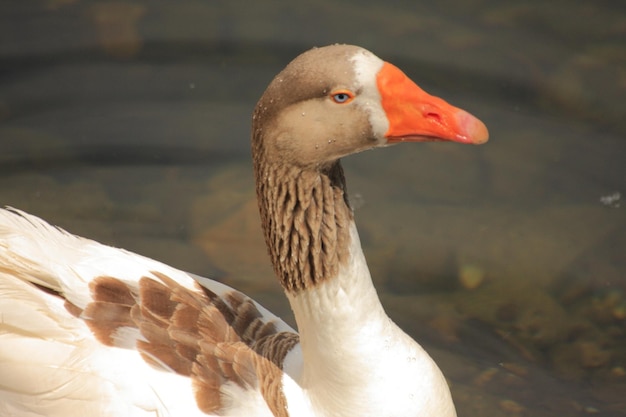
(342, 97)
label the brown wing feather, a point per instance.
(213, 340)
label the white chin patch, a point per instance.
(366, 67)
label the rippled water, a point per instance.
(129, 123)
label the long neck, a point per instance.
(316, 252)
(305, 217)
(355, 360)
(343, 329)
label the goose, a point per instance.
(91, 330)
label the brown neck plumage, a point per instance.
(305, 217)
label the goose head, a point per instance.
(338, 100)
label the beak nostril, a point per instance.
(433, 116)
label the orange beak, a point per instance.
(416, 116)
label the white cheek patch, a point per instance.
(366, 68)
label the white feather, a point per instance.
(50, 363)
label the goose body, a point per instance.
(87, 329)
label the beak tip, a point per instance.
(474, 131)
(481, 134)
